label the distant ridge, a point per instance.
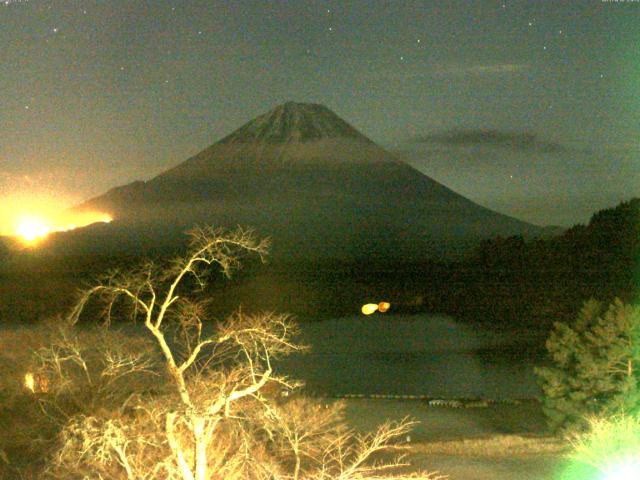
(316, 185)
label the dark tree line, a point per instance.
(504, 282)
(538, 282)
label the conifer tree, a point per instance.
(594, 366)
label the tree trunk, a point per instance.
(183, 466)
(200, 448)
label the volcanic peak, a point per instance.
(294, 122)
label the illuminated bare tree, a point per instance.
(225, 415)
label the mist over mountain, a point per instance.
(526, 175)
(521, 141)
(320, 188)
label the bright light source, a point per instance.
(32, 229)
(628, 469)
(30, 382)
(369, 308)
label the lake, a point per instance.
(424, 355)
(433, 356)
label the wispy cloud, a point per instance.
(521, 141)
(480, 70)
(455, 70)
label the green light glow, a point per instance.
(609, 451)
(626, 470)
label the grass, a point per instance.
(494, 446)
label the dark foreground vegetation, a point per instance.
(127, 407)
(505, 282)
(181, 399)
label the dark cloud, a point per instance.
(520, 141)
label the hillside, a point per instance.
(305, 177)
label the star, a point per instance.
(55, 29)
(331, 29)
(531, 24)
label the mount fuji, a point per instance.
(313, 183)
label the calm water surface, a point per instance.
(412, 355)
(408, 355)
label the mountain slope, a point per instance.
(320, 188)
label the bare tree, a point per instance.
(224, 415)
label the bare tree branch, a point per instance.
(225, 416)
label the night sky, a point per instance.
(96, 94)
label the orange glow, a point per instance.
(32, 229)
(36, 383)
(31, 215)
(29, 382)
(369, 308)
